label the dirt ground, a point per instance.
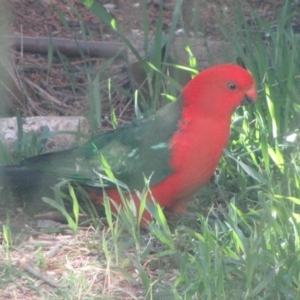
(70, 19)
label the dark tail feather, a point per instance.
(20, 176)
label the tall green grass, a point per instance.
(248, 249)
(251, 249)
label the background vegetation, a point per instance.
(243, 242)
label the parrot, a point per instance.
(177, 148)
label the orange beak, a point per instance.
(250, 96)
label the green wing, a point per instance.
(132, 152)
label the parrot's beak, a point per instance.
(250, 97)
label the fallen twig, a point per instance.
(38, 274)
(67, 47)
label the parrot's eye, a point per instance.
(232, 86)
